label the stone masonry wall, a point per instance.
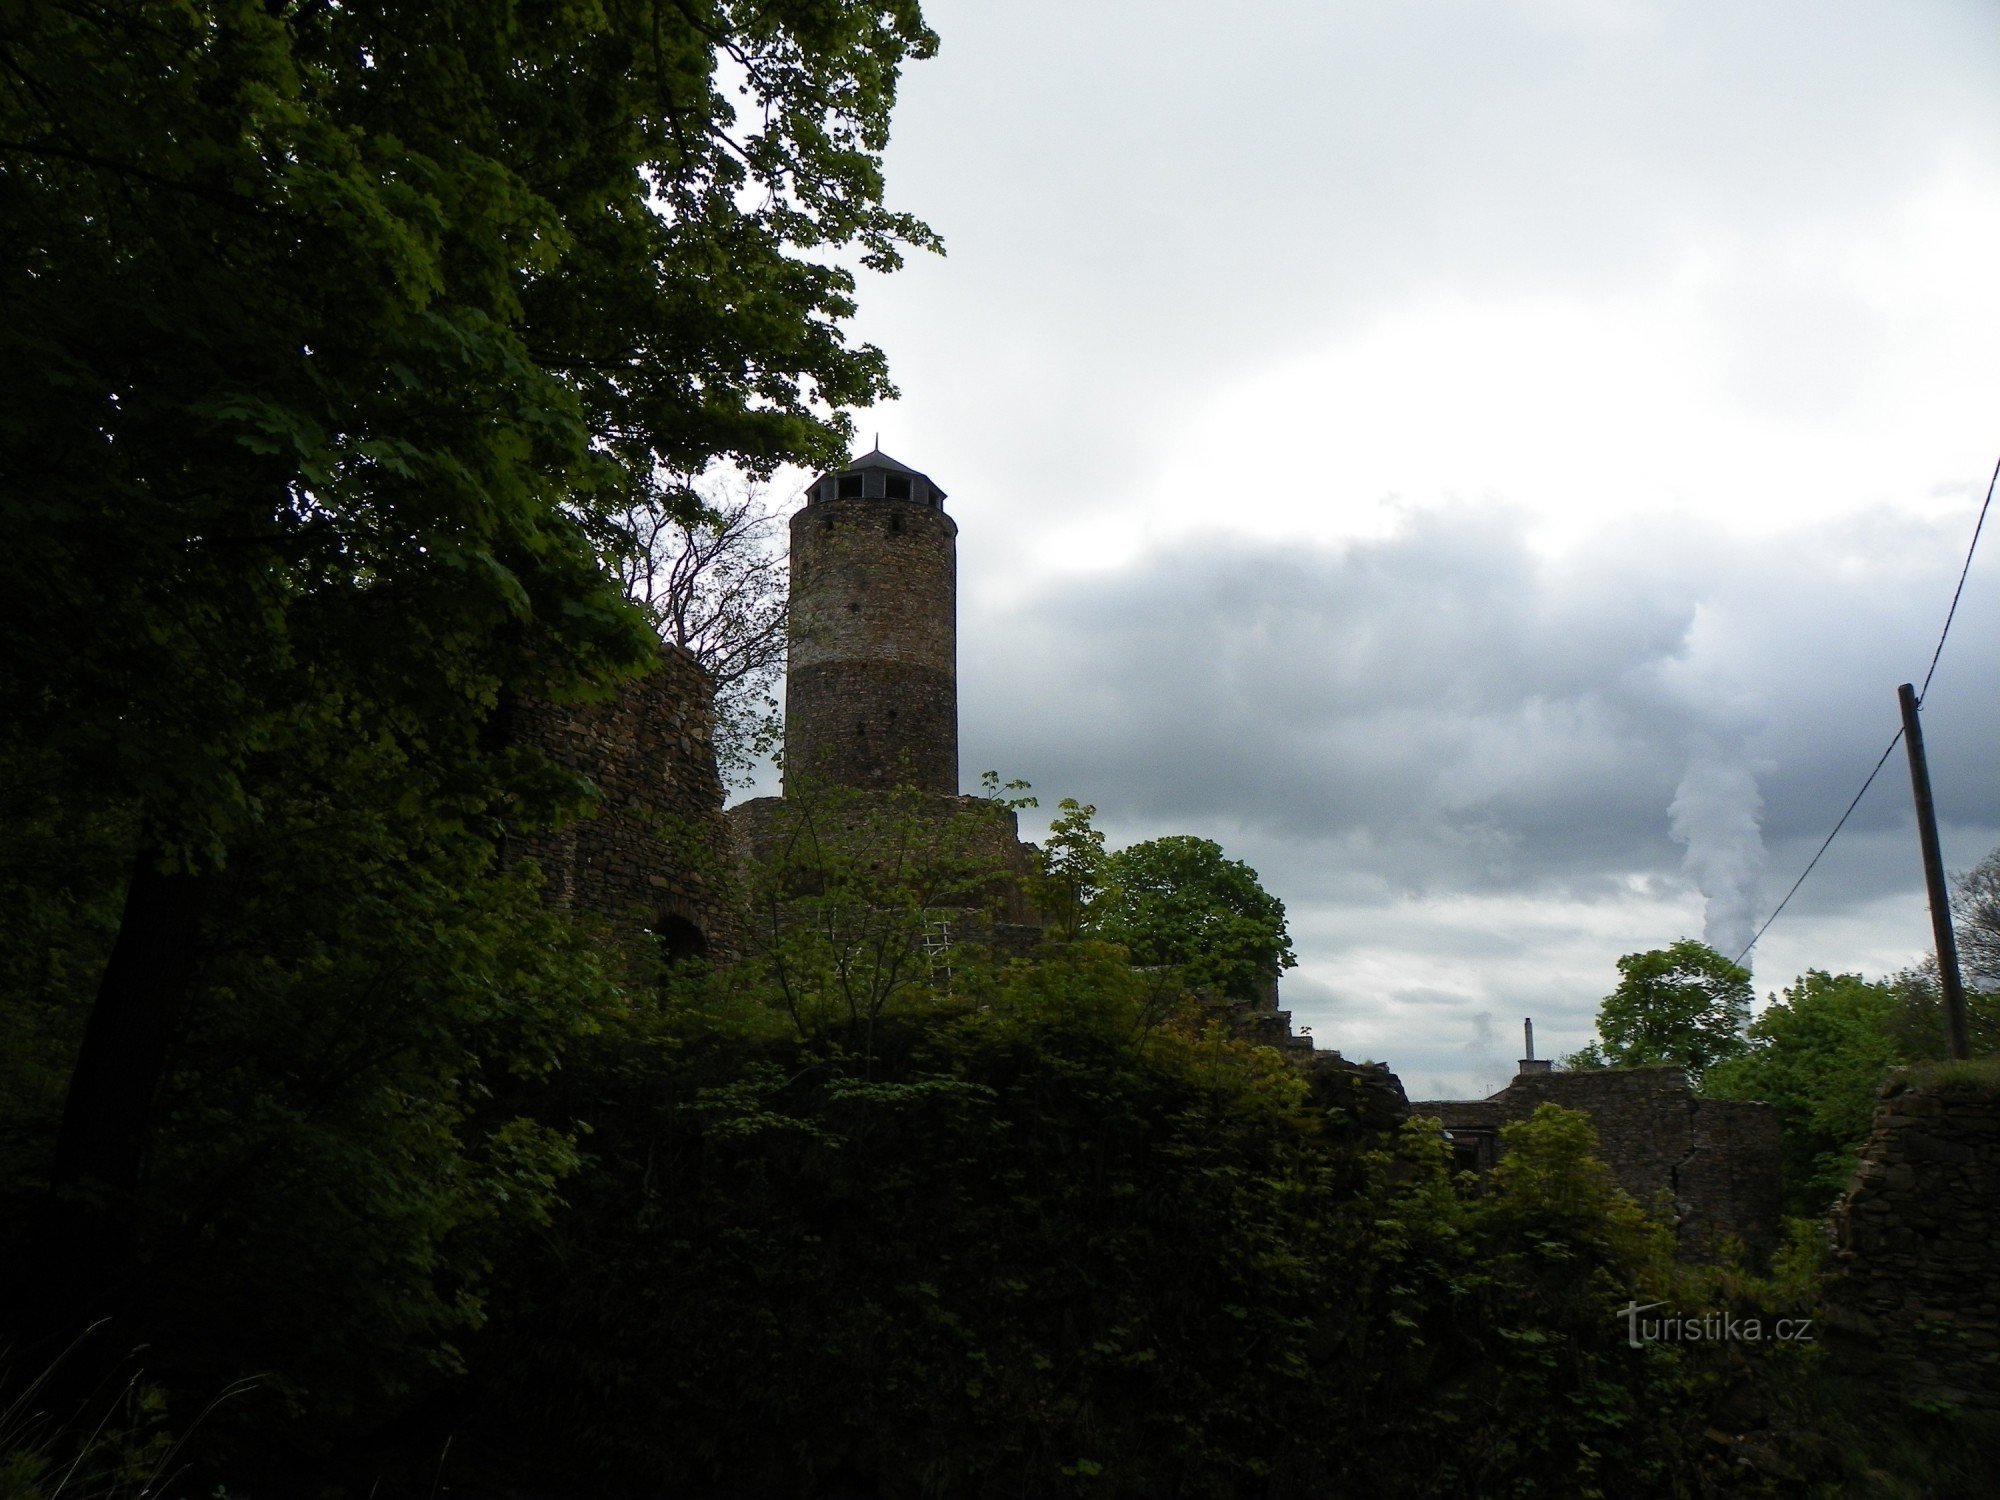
(952, 835)
(1713, 1164)
(871, 686)
(1914, 1302)
(655, 860)
(1366, 1095)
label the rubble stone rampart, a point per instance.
(1711, 1165)
(653, 858)
(1914, 1301)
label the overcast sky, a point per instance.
(1487, 463)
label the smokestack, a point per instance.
(1529, 1063)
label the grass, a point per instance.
(1979, 1072)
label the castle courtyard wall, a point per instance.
(1711, 1166)
(653, 858)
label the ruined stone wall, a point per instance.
(1367, 1095)
(1259, 1020)
(907, 839)
(871, 684)
(1711, 1164)
(654, 860)
(1914, 1301)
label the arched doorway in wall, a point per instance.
(676, 939)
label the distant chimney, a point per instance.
(1530, 1063)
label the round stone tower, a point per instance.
(871, 682)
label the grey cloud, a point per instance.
(1436, 697)
(1445, 711)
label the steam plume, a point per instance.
(1716, 814)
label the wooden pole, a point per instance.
(1947, 946)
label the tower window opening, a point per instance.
(850, 486)
(896, 523)
(860, 729)
(829, 523)
(896, 487)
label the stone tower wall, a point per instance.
(654, 859)
(871, 683)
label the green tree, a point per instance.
(335, 331)
(1918, 1023)
(1037, 1247)
(347, 1127)
(1181, 901)
(1817, 1055)
(1069, 875)
(1684, 1004)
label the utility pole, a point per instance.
(1947, 946)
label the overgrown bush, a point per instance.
(1027, 1241)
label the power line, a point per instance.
(1949, 615)
(1825, 846)
(1978, 526)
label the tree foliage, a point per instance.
(1685, 1004)
(864, 904)
(1181, 901)
(334, 333)
(1038, 1246)
(1975, 910)
(843, 1217)
(339, 313)
(342, 1136)
(1817, 1055)
(1070, 871)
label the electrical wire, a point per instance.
(1879, 764)
(1978, 526)
(1949, 615)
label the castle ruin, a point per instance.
(872, 737)
(871, 674)
(651, 858)
(1710, 1164)
(871, 686)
